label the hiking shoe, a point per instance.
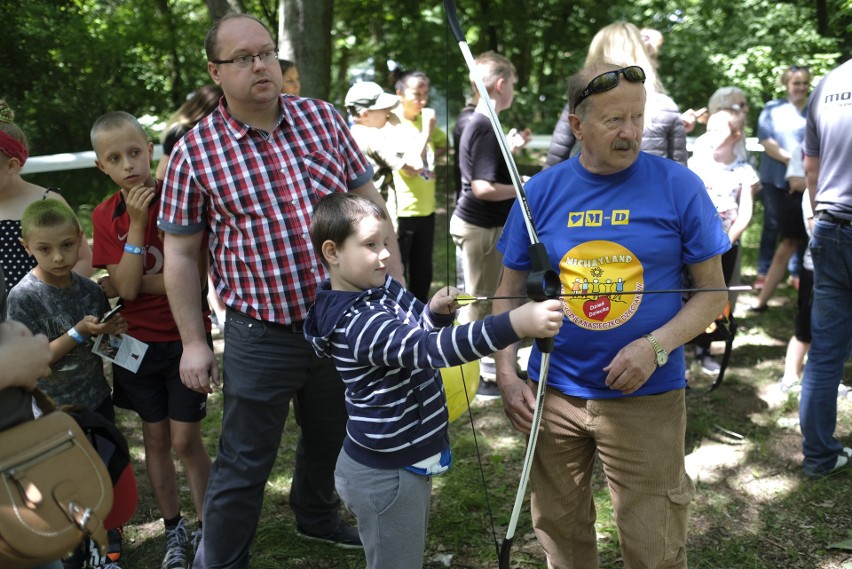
(345, 536)
(176, 541)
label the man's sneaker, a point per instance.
(709, 365)
(345, 536)
(844, 460)
(176, 541)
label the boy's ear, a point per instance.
(329, 252)
(25, 246)
(100, 166)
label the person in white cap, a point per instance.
(369, 108)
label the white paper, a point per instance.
(125, 351)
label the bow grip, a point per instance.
(542, 283)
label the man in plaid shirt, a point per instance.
(250, 172)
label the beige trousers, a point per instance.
(640, 442)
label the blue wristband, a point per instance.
(78, 337)
(133, 249)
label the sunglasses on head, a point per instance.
(609, 80)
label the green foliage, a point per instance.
(760, 40)
(64, 62)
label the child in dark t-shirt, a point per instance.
(53, 300)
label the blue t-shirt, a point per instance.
(632, 230)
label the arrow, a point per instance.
(465, 299)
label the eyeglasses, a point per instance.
(609, 80)
(265, 57)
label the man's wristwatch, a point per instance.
(661, 355)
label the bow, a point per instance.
(542, 283)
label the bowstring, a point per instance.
(452, 190)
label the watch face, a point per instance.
(662, 358)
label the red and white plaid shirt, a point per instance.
(256, 192)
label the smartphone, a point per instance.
(111, 313)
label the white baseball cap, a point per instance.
(369, 96)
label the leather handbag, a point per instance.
(54, 491)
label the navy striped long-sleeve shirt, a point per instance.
(388, 348)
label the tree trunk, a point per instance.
(219, 8)
(304, 36)
(822, 18)
(173, 62)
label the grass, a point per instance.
(753, 508)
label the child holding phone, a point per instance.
(55, 301)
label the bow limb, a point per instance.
(543, 281)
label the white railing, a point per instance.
(79, 160)
(69, 161)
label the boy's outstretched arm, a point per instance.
(537, 319)
(444, 300)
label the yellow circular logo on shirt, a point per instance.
(600, 280)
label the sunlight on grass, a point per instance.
(280, 482)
